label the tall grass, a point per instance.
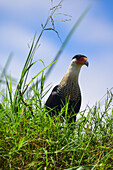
(39, 141)
(31, 139)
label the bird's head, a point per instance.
(80, 60)
(77, 62)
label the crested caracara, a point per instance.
(68, 89)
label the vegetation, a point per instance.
(31, 139)
(39, 141)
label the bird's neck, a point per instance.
(71, 75)
(73, 71)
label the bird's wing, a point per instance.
(54, 99)
(73, 108)
(75, 105)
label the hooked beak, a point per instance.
(86, 63)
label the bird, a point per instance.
(68, 90)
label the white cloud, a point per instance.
(15, 39)
(14, 36)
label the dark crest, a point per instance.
(78, 56)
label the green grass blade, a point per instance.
(9, 87)
(7, 65)
(37, 75)
(28, 62)
(24, 72)
(4, 71)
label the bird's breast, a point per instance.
(69, 88)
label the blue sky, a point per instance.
(20, 19)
